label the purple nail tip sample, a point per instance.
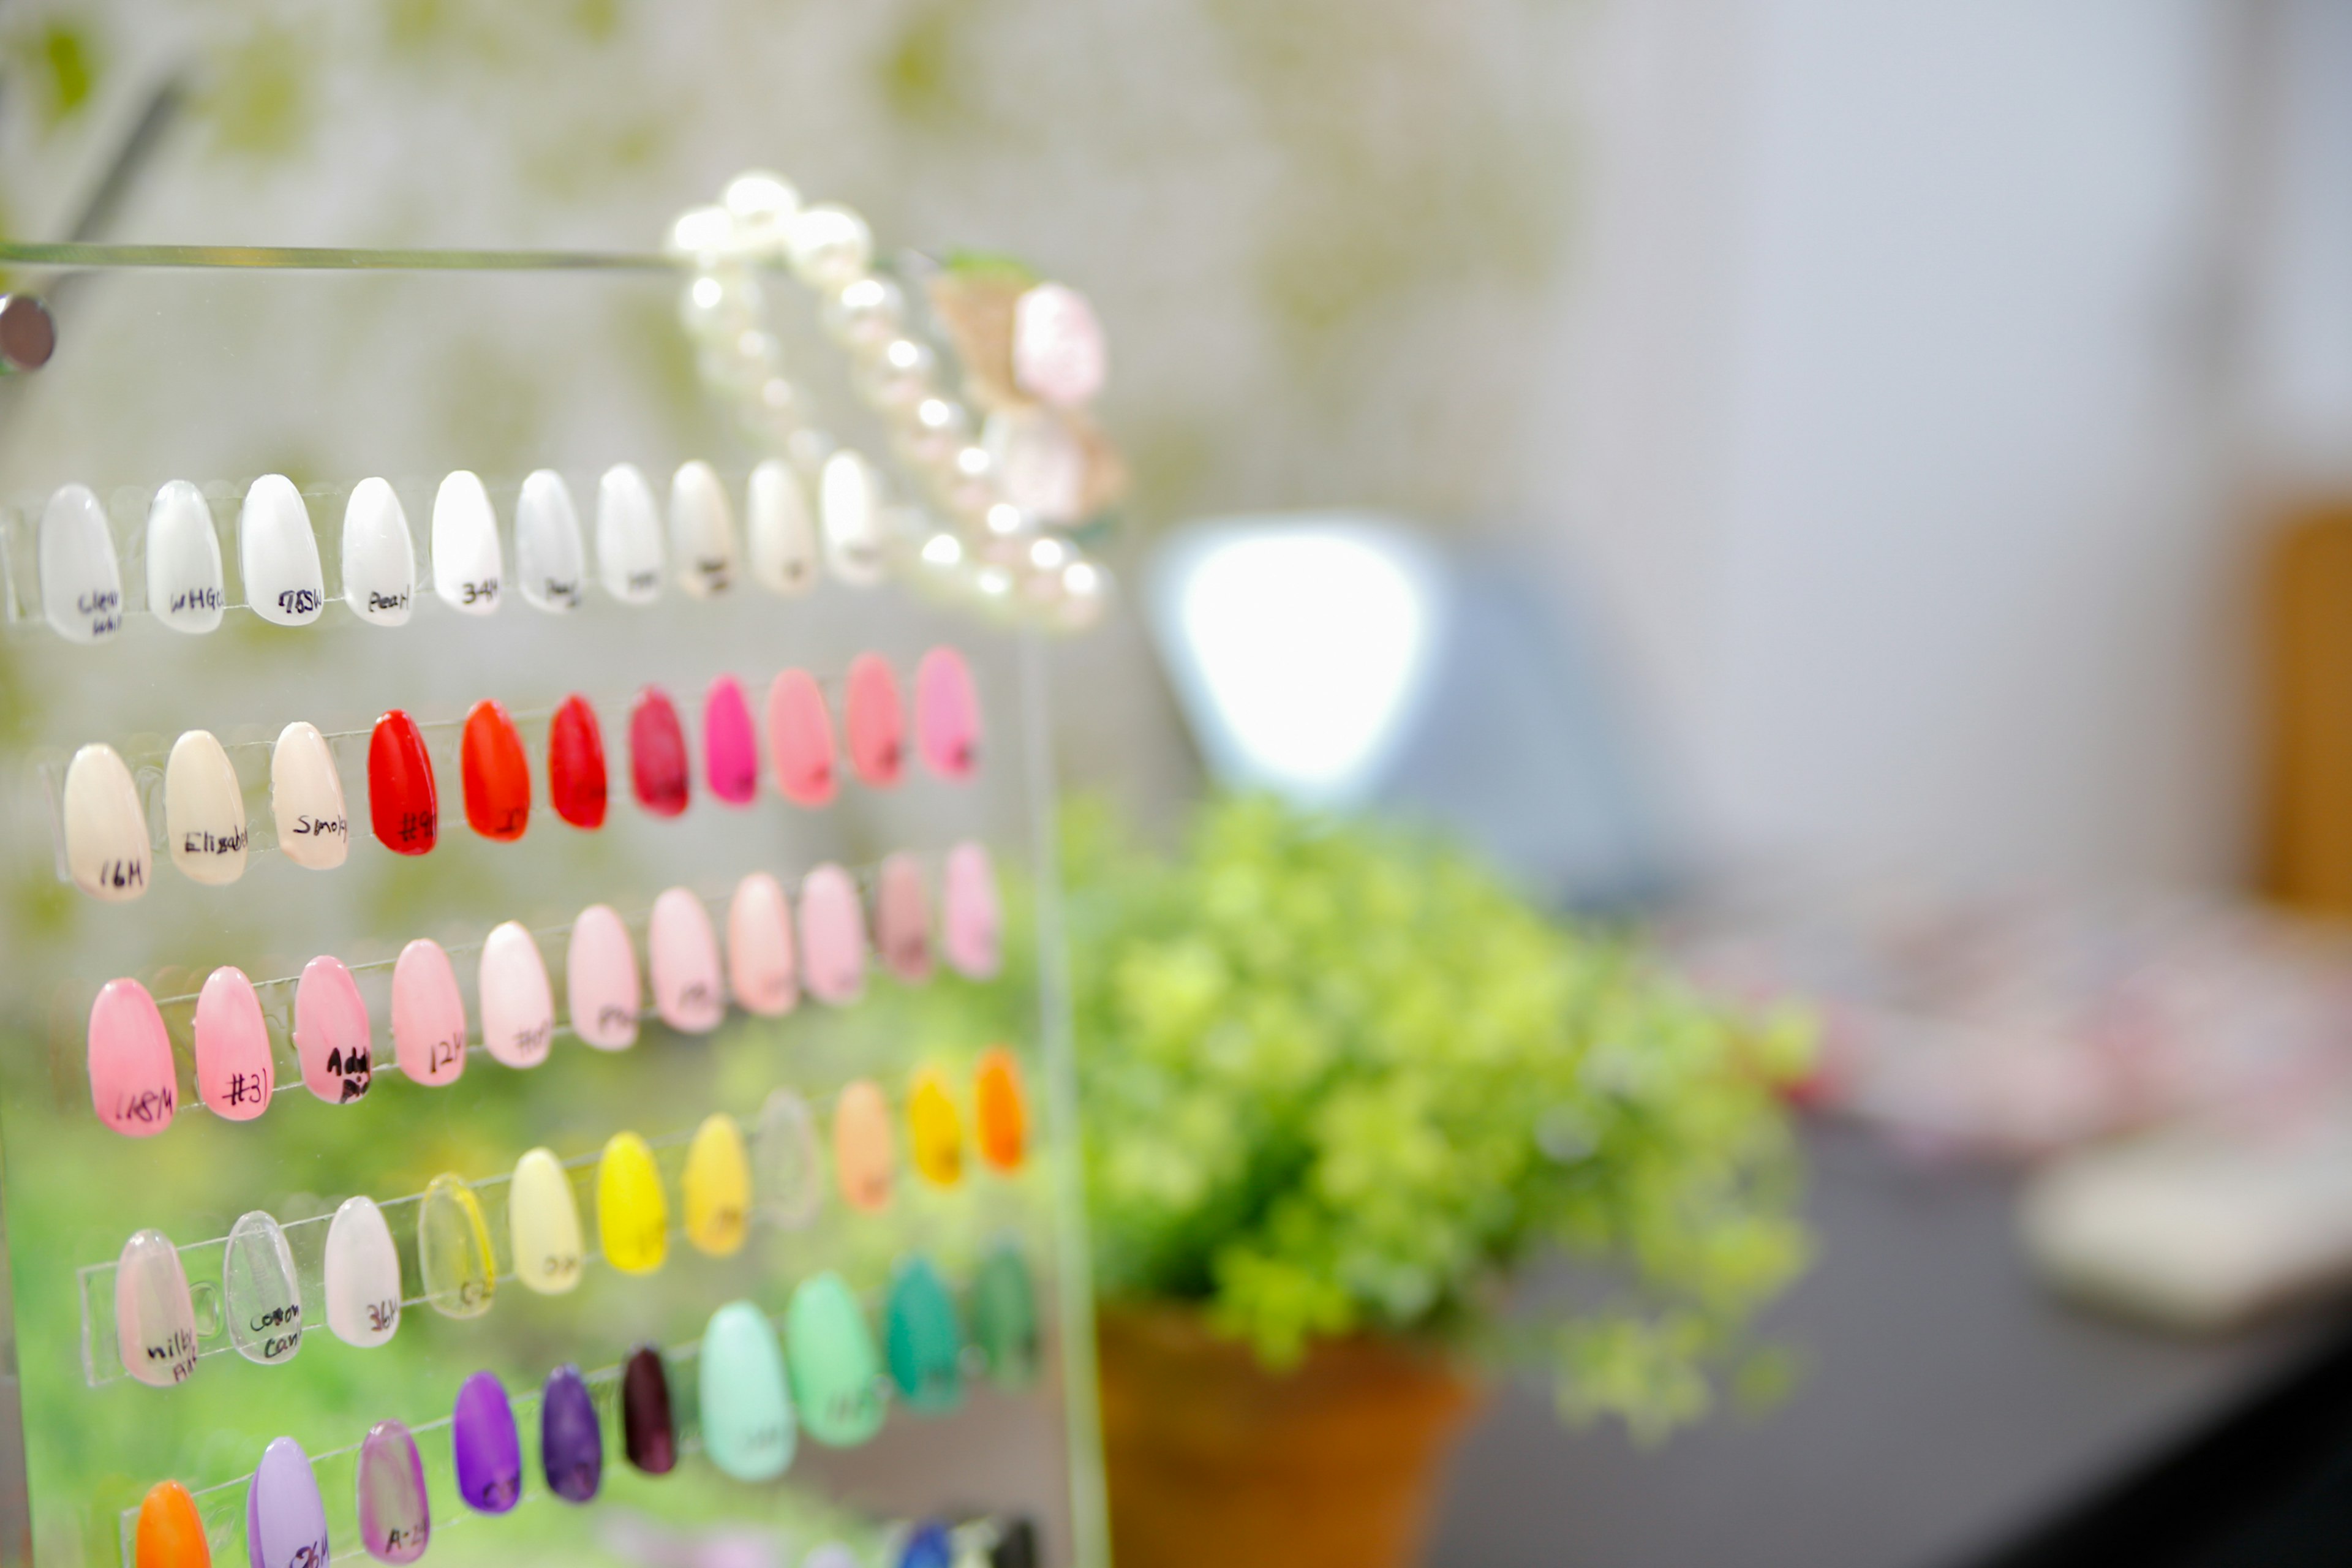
(571, 1439)
(396, 1517)
(285, 1521)
(488, 1449)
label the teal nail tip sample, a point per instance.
(922, 1340)
(747, 1426)
(1004, 1316)
(836, 1371)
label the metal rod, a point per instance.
(312, 259)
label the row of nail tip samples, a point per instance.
(724, 1184)
(285, 583)
(108, 844)
(134, 1079)
(755, 1390)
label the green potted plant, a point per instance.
(1339, 1086)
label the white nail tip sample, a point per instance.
(849, 512)
(154, 1318)
(81, 581)
(264, 1304)
(107, 849)
(518, 1006)
(549, 562)
(701, 532)
(203, 811)
(379, 557)
(278, 555)
(783, 537)
(628, 536)
(306, 799)
(363, 1275)
(185, 590)
(467, 570)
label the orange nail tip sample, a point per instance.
(1003, 1118)
(862, 1154)
(170, 1531)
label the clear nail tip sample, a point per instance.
(203, 811)
(467, 570)
(278, 555)
(453, 1250)
(185, 588)
(550, 563)
(154, 1319)
(379, 555)
(788, 1166)
(363, 1272)
(263, 1300)
(81, 581)
(107, 849)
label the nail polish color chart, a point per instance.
(483, 899)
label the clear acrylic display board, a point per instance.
(331, 369)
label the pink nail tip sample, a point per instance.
(517, 1003)
(833, 936)
(759, 947)
(332, 1036)
(235, 1076)
(947, 714)
(428, 1015)
(600, 979)
(134, 1086)
(974, 925)
(684, 953)
(876, 721)
(799, 739)
(902, 919)
(730, 746)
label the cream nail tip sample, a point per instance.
(684, 954)
(185, 589)
(467, 570)
(363, 1272)
(849, 513)
(81, 581)
(783, 537)
(550, 560)
(107, 851)
(154, 1319)
(278, 555)
(379, 557)
(701, 530)
(600, 979)
(628, 536)
(306, 799)
(543, 1223)
(518, 1006)
(203, 811)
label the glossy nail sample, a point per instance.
(278, 555)
(701, 532)
(488, 1448)
(1000, 1110)
(333, 1037)
(863, 1153)
(834, 1365)
(718, 1185)
(683, 955)
(285, 1519)
(934, 1130)
(467, 570)
(363, 1275)
(600, 979)
(747, 1406)
(134, 1086)
(395, 1513)
(902, 919)
(760, 970)
(947, 714)
(379, 557)
(81, 580)
(428, 1015)
(658, 767)
(973, 924)
(1004, 1316)
(788, 1166)
(849, 519)
(185, 588)
(203, 811)
(107, 851)
(403, 806)
(648, 1429)
(543, 1223)
(571, 1436)
(875, 720)
(628, 536)
(261, 1298)
(518, 1003)
(833, 936)
(799, 739)
(575, 763)
(496, 772)
(930, 1546)
(730, 746)
(453, 1250)
(306, 799)
(783, 535)
(170, 1531)
(154, 1319)
(551, 563)
(922, 1340)
(234, 1074)
(632, 1215)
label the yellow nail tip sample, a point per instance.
(717, 1187)
(632, 1215)
(543, 1223)
(453, 1250)
(934, 1130)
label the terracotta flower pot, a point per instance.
(1210, 1456)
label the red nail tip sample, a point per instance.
(876, 721)
(800, 739)
(497, 773)
(401, 799)
(730, 745)
(575, 764)
(657, 766)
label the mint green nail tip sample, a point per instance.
(1004, 1316)
(835, 1367)
(923, 1340)
(747, 1410)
